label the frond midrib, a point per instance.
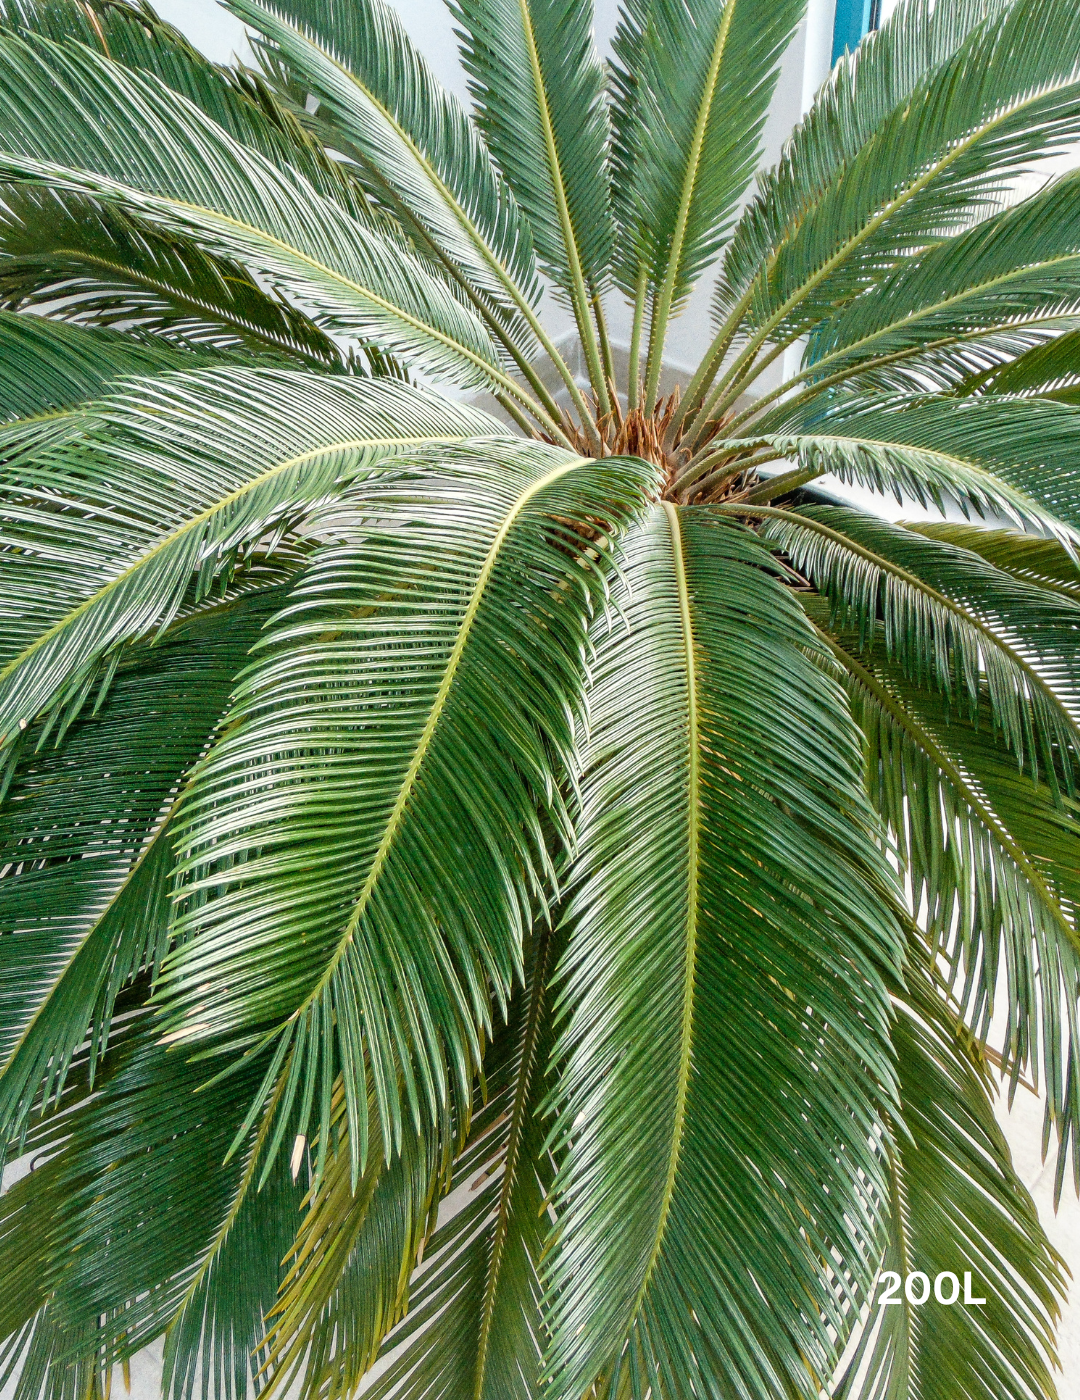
(658, 329)
(519, 1108)
(972, 619)
(408, 782)
(693, 838)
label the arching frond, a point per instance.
(181, 474)
(908, 142)
(989, 857)
(129, 33)
(409, 717)
(86, 845)
(1032, 558)
(959, 1208)
(46, 366)
(991, 455)
(1051, 369)
(953, 622)
(135, 1198)
(82, 262)
(1023, 262)
(378, 96)
(159, 160)
(729, 894)
(474, 1328)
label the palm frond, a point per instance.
(159, 160)
(86, 847)
(539, 91)
(989, 857)
(691, 88)
(1022, 264)
(348, 1268)
(73, 259)
(45, 366)
(479, 1278)
(435, 649)
(909, 141)
(952, 621)
(729, 893)
(1044, 562)
(1051, 368)
(958, 1207)
(182, 473)
(383, 105)
(993, 455)
(136, 1197)
(129, 33)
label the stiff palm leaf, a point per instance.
(693, 930)
(959, 1209)
(45, 366)
(523, 905)
(481, 1278)
(81, 262)
(86, 837)
(423, 677)
(416, 143)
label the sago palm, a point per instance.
(521, 899)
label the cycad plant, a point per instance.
(521, 900)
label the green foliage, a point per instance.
(380, 102)
(538, 86)
(706, 820)
(45, 365)
(958, 1206)
(481, 1280)
(499, 899)
(692, 87)
(438, 653)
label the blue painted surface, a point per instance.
(853, 19)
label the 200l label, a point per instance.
(917, 1290)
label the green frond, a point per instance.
(381, 104)
(958, 1207)
(168, 483)
(538, 86)
(1044, 562)
(907, 143)
(691, 88)
(134, 1200)
(215, 1336)
(1051, 368)
(436, 649)
(45, 366)
(86, 845)
(730, 904)
(952, 621)
(989, 859)
(1024, 263)
(480, 1279)
(129, 33)
(159, 160)
(85, 263)
(993, 455)
(348, 1268)
(540, 103)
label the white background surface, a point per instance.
(220, 35)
